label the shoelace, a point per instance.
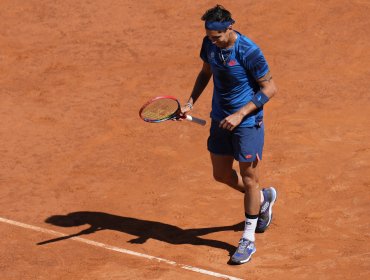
(242, 245)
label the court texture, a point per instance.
(90, 191)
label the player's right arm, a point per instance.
(201, 82)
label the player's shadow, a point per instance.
(143, 229)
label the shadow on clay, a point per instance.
(143, 229)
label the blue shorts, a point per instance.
(245, 144)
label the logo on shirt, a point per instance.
(211, 57)
(232, 62)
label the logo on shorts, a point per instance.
(248, 156)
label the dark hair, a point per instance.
(217, 13)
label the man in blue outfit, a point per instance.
(242, 86)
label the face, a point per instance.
(219, 38)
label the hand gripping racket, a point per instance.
(163, 108)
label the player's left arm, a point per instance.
(267, 90)
(267, 85)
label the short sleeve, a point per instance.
(203, 51)
(256, 63)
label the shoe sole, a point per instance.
(270, 213)
(244, 261)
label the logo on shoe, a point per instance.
(265, 206)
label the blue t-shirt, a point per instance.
(235, 71)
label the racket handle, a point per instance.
(196, 120)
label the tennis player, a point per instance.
(242, 86)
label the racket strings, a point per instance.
(160, 109)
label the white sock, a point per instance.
(249, 229)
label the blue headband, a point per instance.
(218, 25)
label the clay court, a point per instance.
(90, 191)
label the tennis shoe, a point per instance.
(265, 215)
(244, 252)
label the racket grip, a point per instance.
(196, 120)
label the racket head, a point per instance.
(159, 109)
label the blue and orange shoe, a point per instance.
(244, 252)
(265, 215)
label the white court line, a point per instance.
(120, 250)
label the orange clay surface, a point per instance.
(74, 75)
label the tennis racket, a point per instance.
(164, 108)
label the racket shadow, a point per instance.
(143, 229)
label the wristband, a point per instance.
(260, 99)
